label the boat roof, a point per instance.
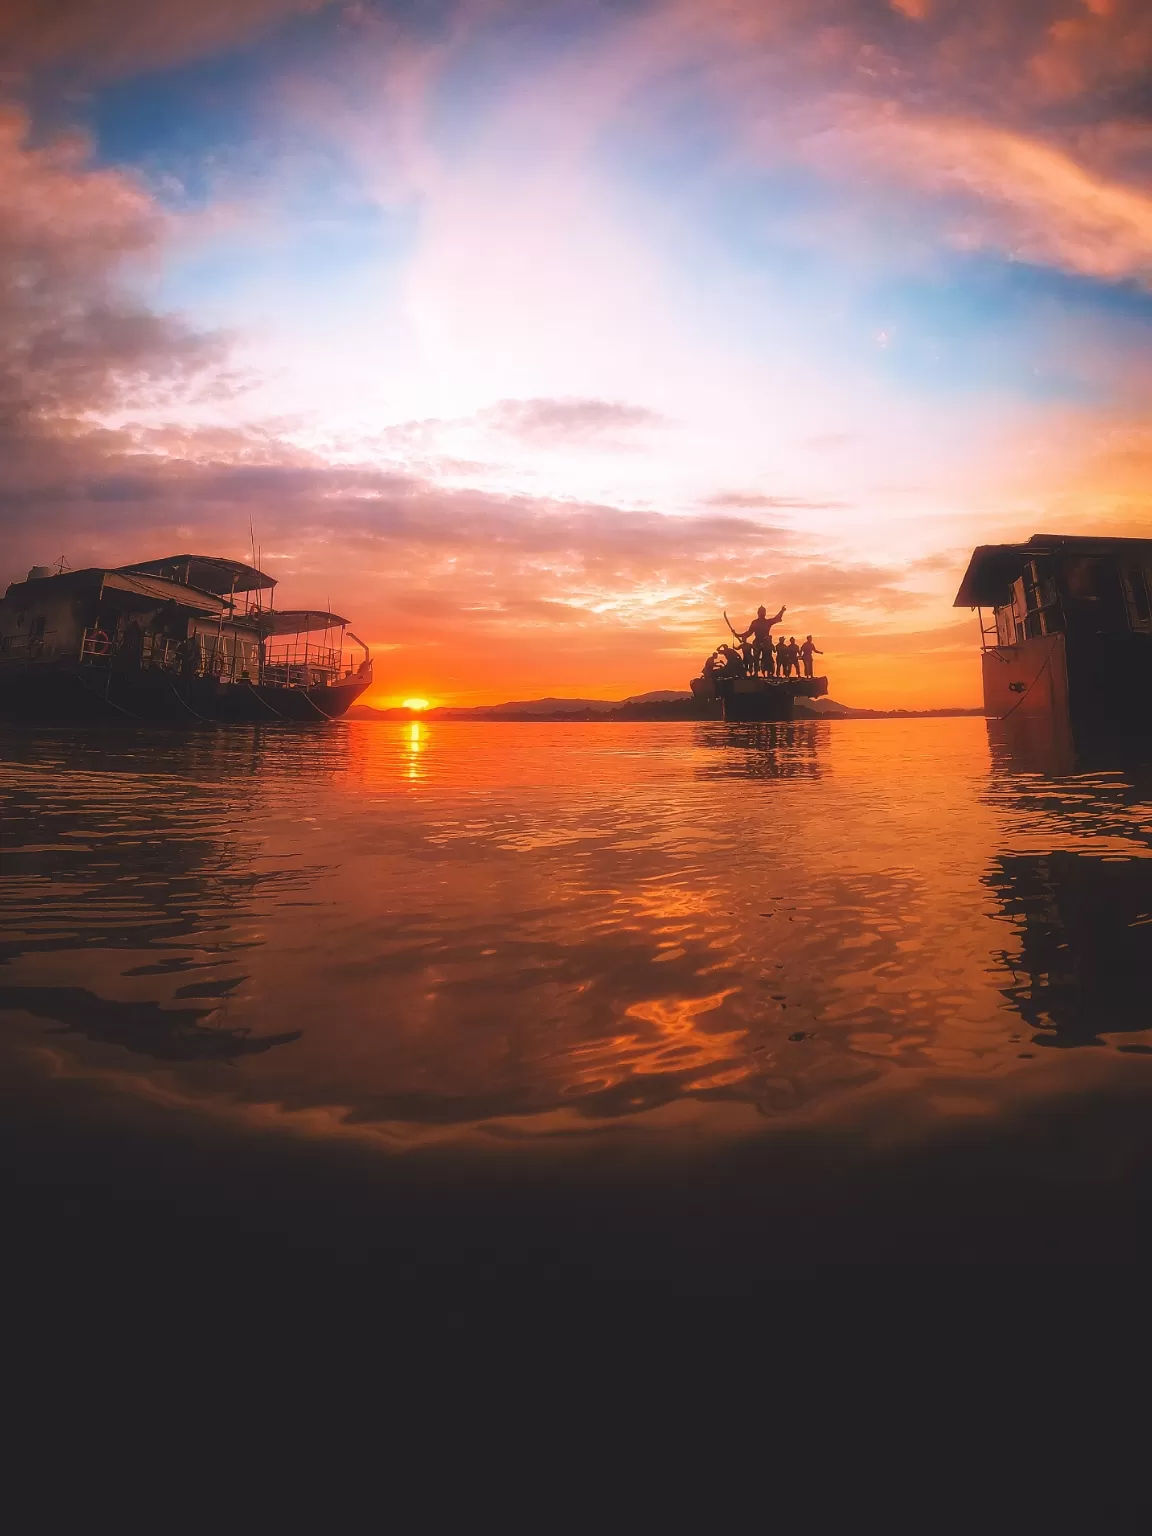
(994, 567)
(153, 589)
(297, 621)
(208, 572)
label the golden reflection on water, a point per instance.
(413, 931)
(414, 745)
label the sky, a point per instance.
(534, 336)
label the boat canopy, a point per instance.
(152, 590)
(994, 567)
(155, 589)
(208, 572)
(297, 621)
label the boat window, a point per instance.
(1080, 579)
(1097, 595)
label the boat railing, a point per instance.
(302, 653)
(30, 648)
(96, 645)
(292, 665)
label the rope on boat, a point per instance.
(1031, 685)
(324, 715)
(267, 706)
(204, 720)
(104, 699)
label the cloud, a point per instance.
(1010, 192)
(569, 420)
(1027, 123)
(71, 339)
(106, 38)
(752, 499)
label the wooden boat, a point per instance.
(179, 641)
(1069, 636)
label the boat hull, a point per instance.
(766, 698)
(1098, 686)
(54, 693)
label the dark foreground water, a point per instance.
(591, 995)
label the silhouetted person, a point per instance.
(132, 645)
(710, 666)
(807, 651)
(781, 657)
(733, 662)
(793, 657)
(191, 656)
(760, 634)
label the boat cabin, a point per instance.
(195, 614)
(1065, 625)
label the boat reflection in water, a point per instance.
(1081, 966)
(146, 872)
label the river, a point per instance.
(575, 951)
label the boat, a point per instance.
(1065, 632)
(737, 691)
(185, 640)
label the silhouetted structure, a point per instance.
(1070, 634)
(753, 683)
(176, 641)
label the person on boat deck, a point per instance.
(191, 655)
(710, 666)
(793, 657)
(781, 657)
(132, 644)
(759, 632)
(733, 662)
(807, 651)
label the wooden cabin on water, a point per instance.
(175, 641)
(1066, 631)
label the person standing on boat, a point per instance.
(781, 657)
(792, 657)
(760, 634)
(191, 655)
(131, 647)
(807, 651)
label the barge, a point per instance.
(741, 683)
(1065, 633)
(184, 640)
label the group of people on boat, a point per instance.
(755, 654)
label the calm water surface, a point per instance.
(533, 935)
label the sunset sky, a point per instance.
(533, 335)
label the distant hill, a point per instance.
(660, 704)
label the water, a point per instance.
(541, 941)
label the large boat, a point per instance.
(1068, 633)
(183, 640)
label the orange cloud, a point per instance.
(1026, 196)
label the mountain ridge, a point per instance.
(658, 704)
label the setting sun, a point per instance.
(414, 704)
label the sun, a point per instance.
(414, 704)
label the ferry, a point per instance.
(185, 640)
(1065, 632)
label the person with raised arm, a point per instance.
(759, 632)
